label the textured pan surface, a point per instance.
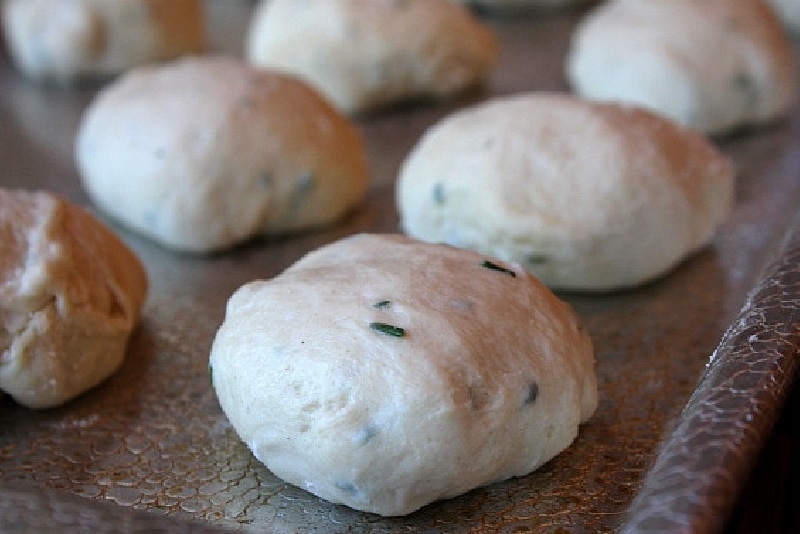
(153, 437)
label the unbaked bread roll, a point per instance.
(207, 152)
(365, 54)
(66, 41)
(587, 196)
(714, 65)
(385, 373)
(70, 295)
(789, 13)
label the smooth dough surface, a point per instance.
(364, 54)
(65, 41)
(70, 295)
(488, 379)
(714, 65)
(207, 152)
(586, 195)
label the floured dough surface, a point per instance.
(385, 373)
(364, 54)
(586, 195)
(66, 41)
(714, 65)
(207, 152)
(70, 295)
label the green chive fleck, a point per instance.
(382, 304)
(211, 374)
(536, 259)
(439, 197)
(493, 266)
(388, 329)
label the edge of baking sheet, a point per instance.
(704, 464)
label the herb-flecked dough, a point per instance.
(713, 65)
(368, 54)
(208, 152)
(588, 196)
(385, 373)
(69, 41)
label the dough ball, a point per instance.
(789, 13)
(588, 196)
(365, 54)
(714, 65)
(70, 294)
(204, 153)
(66, 41)
(384, 373)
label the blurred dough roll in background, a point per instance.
(67, 41)
(714, 65)
(365, 54)
(203, 153)
(587, 196)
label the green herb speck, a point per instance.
(389, 330)
(382, 304)
(536, 259)
(439, 197)
(532, 393)
(493, 266)
(745, 86)
(303, 188)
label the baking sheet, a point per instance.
(152, 438)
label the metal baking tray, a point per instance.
(693, 369)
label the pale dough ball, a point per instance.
(65, 41)
(714, 65)
(364, 54)
(70, 294)
(587, 196)
(204, 153)
(384, 373)
(789, 13)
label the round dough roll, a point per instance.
(587, 196)
(70, 295)
(385, 373)
(364, 54)
(204, 153)
(714, 65)
(65, 41)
